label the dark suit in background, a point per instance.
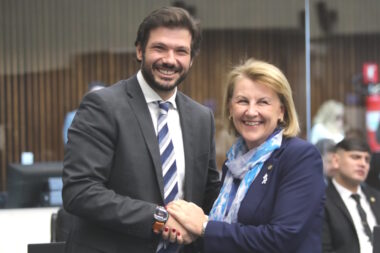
(339, 234)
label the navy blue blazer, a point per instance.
(281, 214)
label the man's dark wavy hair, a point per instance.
(170, 17)
(353, 144)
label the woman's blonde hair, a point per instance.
(270, 76)
(328, 112)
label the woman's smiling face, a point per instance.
(255, 110)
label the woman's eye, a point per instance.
(242, 101)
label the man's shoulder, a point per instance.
(123, 84)
(369, 190)
(118, 89)
(183, 98)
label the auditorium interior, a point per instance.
(50, 50)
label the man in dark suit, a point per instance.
(352, 208)
(113, 177)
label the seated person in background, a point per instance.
(352, 208)
(328, 122)
(355, 133)
(93, 86)
(327, 149)
(272, 197)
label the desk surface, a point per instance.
(41, 169)
(20, 227)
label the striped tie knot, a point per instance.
(164, 106)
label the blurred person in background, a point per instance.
(93, 86)
(328, 122)
(352, 207)
(326, 148)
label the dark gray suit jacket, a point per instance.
(339, 234)
(112, 170)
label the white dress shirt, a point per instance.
(345, 194)
(174, 125)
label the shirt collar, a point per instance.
(150, 95)
(344, 192)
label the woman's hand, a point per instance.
(174, 232)
(188, 214)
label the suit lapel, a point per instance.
(335, 198)
(141, 111)
(185, 111)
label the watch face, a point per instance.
(161, 214)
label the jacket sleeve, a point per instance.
(213, 176)
(298, 200)
(88, 160)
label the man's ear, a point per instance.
(335, 160)
(139, 52)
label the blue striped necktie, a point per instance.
(169, 166)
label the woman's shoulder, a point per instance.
(297, 147)
(297, 154)
(296, 142)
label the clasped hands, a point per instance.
(185, 222)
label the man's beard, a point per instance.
(156, 85)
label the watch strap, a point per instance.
(158, 226)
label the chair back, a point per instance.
(56, 247)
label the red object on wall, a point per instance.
(370, 73)
(373, 120)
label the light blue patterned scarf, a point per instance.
(245, 166)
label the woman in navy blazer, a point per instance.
(273, 190)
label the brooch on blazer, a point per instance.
(265, 177)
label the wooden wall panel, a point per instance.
(34, 104)
(335, 62)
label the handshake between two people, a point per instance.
(185, 222)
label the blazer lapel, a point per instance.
(141, 111)
(185, 111)
(261, 184)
